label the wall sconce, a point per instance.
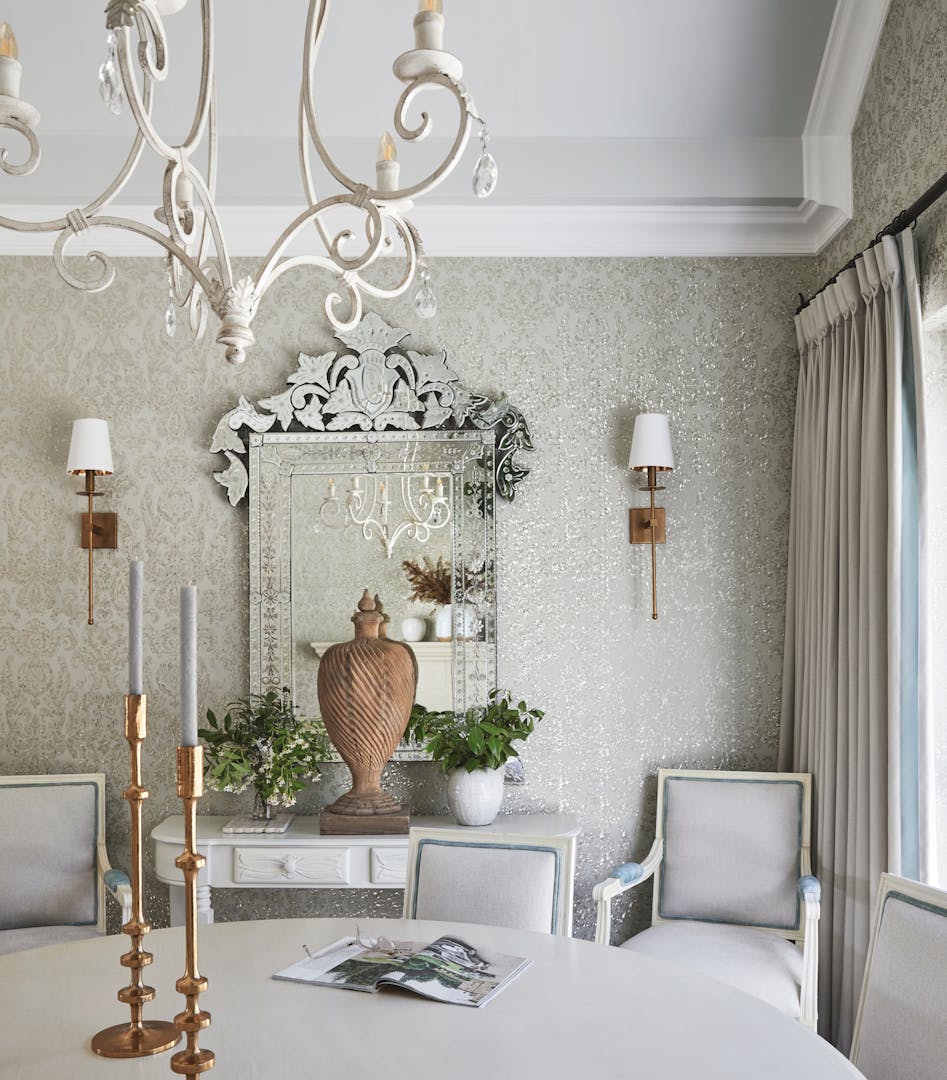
(651, 451)
(91, 455)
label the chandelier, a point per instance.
(367, 508)
(200, 273)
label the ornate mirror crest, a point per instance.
(374, 385)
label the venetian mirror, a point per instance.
(375, 465)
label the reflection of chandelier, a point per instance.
(367, 507)
(199, 266)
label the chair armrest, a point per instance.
(117, 884)
(621, 879)
(810, 889)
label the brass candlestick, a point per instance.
(137, 1038)
(192, 984)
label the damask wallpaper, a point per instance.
(580, 346)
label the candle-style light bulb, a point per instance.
(386, 166)
(387, 151)
(431, 5)
(8, 45)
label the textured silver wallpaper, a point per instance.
(581, 346)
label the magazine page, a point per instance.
(452, 970)
(350, 965)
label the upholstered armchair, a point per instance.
(733, 893)
(523, 882)
(55, 867)
(900, 1028)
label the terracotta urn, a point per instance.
(366, 690)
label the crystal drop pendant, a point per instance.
(425, 303)
(110, 79)
(485, 175)
(170, 319)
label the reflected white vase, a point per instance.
(413, 629)
(475, 797)
(444, 622)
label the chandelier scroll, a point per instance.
(187, 225)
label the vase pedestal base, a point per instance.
(365, 824)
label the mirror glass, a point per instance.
(333, 514)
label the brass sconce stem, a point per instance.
(91, 493)
(191, 1061)
(137, 1038)
(652, 525)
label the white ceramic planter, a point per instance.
(475, 797)
(444, 623)
(413, 629)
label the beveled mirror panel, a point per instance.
(334, 511)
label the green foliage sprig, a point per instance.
(481, 738)
(260, 741)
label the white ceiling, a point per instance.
(637, 107)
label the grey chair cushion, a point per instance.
(33, 937)
(47, 851)
(731, 851)
(765, 965)
(498, 886)
(904, 1013)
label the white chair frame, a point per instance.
(805, 934)
(563, 847)
(114, 882)
(925, 896)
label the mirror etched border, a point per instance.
(347, 411)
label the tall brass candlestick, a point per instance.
(193, 1060)
(137, 1038)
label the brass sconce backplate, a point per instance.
(639, 525)
(104, 530)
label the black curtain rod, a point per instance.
(904, 220)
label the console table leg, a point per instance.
(205, 910)
(176, 900)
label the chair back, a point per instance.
(900, 1030)
(50, 829)
(523, 882)
(735, 846)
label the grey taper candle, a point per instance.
(189, 665)
(135, 579)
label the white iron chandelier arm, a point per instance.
(22, 168)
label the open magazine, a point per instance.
(448, 969)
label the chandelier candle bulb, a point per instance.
(189, 665)
(135, 578)
(429, 26)
(387, 167)
(10, 67)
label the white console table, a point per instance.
(302, 859)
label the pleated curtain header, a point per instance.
(878, 267)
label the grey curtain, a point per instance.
(855, 697)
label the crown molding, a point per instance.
(505, 231)
(836, 99)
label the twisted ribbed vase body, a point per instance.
(366, 690)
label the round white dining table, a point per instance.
(579, 1010)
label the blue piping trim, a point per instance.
(728, 780)
(95, 855)
(502, 847)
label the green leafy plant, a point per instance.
(261, 742)
(480, 738)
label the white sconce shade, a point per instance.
(651, 443)
(90, 450)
